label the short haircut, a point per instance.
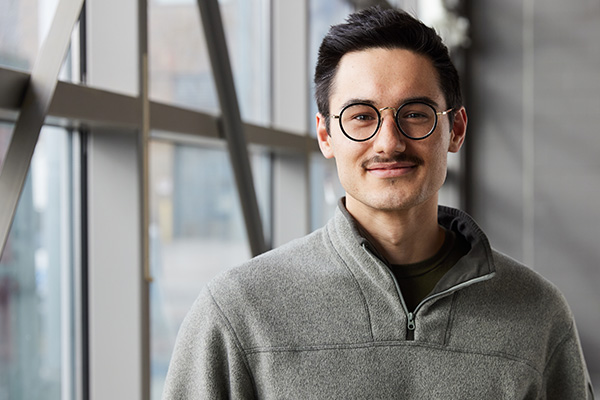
(375, 27)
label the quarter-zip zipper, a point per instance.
(410, 316)
(410, 326)
(410, 320)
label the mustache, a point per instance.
(396, 158)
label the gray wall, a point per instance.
(534, 144)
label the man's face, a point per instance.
(389, 172)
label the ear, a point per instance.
(323, 137)
(459, 130)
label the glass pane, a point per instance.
(24, 25)
(35, 281)
(261, 164)
(325, 190)
(179, 65)
(178, 58)
(197, 231)
(323, 14)
(70, 70)
(247, 30)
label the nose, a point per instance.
(389, 139)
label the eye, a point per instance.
(414, 115)
(359, 114)
(364, 117)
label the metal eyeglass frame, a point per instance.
(396, 110)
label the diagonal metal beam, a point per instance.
(34, 109)
(233, 127)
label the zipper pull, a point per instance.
(411, 322)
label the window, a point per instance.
(326, 190)
(37, 346)
(197, 231)
(180, 71)
(23, 27)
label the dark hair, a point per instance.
(375, 27)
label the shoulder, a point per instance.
(290, 261)
(271, 299)
(518, 312)
(519, 299)
(519, 294)
(528, 284)
(296, 269)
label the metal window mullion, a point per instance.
(232, 125)
(34, 109)
(144, 176)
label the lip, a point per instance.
(391, 170)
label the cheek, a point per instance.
(440, 165)
(439, 149)
(436, 157)
(346, 168)
(346, 152)
(348, 159)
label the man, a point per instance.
(395, 297)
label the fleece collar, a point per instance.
(476, 265)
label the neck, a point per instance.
(401, 236)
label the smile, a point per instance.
(391, 170)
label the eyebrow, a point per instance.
(422, 99)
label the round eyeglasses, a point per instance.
(361, 121)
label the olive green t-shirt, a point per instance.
(417, 280)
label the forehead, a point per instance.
(386, 77)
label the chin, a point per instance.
(389, 203)
(393, 200)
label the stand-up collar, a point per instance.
(351, 244)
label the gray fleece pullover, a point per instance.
(322, 318)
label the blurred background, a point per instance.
(132, 200)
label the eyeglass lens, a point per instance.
(362, 121)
